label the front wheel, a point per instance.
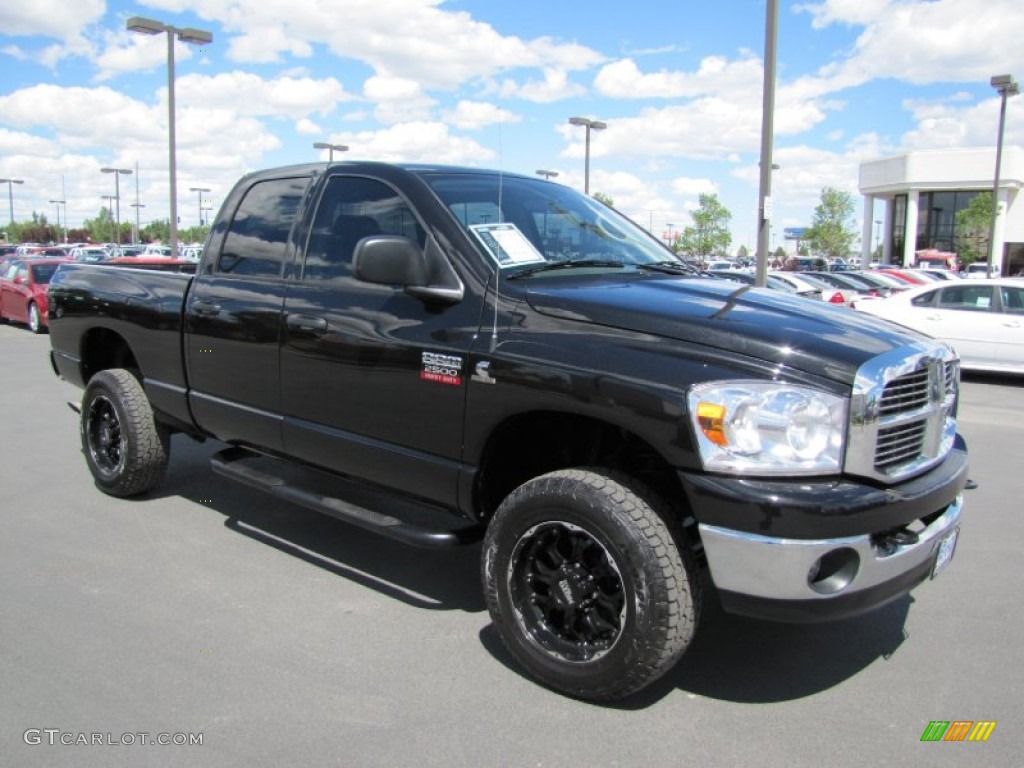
(126, 448)
(587, 585)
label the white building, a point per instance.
(923, 191)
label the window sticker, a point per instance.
(506, 244)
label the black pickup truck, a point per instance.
(499, 351)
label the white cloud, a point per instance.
(692, 187)
(416, 142)
(716, 75)
(554, 87)
(473, 115)
(923, 41)
(398, 99)
(282, 96)
(306, 127)
(416, 39)
(50, 18)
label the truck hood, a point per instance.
(820, 339)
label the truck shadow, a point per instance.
(731, 658)
(759, 662)
(424, 578)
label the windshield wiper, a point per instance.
(670, 267)
(567, 264)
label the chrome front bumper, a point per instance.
(818, 579)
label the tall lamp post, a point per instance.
(200, 190)
(138, 229)
(10, 192)
(331, 149)
(60, 234)
(146, 26)
(590, 125)
(1006, 86)
(110, 201)
(117, 194)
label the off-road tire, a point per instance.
(587, 583)
(126, 448)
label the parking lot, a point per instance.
(280, 637)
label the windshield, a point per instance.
(524, 223)
(41, 273)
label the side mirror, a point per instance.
(389, 260)
(395, 260)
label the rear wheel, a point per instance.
(586, 584)
(35, 322)
(126, 449)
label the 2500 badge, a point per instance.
(441, 368)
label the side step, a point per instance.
(232, 463)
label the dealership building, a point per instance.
(922, 193)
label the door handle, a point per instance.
(201, 307)
(307, 324)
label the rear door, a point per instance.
(373, 380)
(233, 315)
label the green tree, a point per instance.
(972, 229)
(603, 198)
(832, 233)
(709, 234)
(742, 252)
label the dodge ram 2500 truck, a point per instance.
(618, 429)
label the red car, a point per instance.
(23, 286)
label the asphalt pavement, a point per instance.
(207, 612)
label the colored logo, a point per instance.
(958, 730)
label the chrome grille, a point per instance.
(902, 412)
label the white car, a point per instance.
(983, 320)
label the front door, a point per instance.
(373, 381)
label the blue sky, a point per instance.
(492, 84)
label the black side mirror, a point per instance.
(394, 260)
(389, 260)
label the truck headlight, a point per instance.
(767, 428)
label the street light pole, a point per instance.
(764, 203)
(59, 203)
(547, 174)
(200, 190)
(330, 148)
(117, 194)
(110, 202)
(596, 125)
(10, 192)
(146, 26)
(1006, 86)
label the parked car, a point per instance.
(811, 289)
(979, 269)
(772, 281)
(90, 254)
(846, 288)
(982, 319)
(23, 288)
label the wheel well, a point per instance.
(533, 444)
(103, 348)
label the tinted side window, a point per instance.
(350, 209)
(977, 298)
(255, 242)
(1013, 300)
(924, 300)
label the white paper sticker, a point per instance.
(506, 244)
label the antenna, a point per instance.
(501, 217)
